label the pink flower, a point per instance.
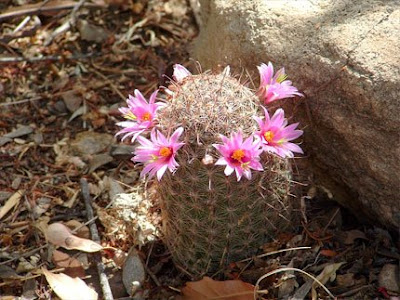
(158, 153)
(239, 156)
(180, 72)
(140, 113)
(276, 87)
(275, 135)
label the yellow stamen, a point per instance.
(281, 78)
(238, 155)
(269, 136)
(146, 116)
(165, 151)
(130, 116)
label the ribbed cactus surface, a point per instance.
(211, 219)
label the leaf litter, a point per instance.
(58, 112)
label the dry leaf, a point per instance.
(208, 288)
(72, 266)
(352, 235)
(82, 232)
(11, 202)
(328, 253)
(328, 273)
(60, 235)
(68, 288)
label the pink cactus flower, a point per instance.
(180, 72)
(276, 136)
(276, 87)
(140, 115)
(239, 156)
(158, 153)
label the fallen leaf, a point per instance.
(68, 288)
(98, 161)
(72, 266)
(352, 235)
(72, 100)
(89, 142)
(8, 273)
(60, 235)
(11, 202)
(389, 278)
(328, 253)
(345, 280)
(207, 289)
(83, 231)
(328, 273)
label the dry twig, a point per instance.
(105, 285)
(67, 25)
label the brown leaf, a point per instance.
(11, 202)
(352, 235)
(7, 272)
(77, 243)
(82, 232)
(328, 253)
(72, 266)
(68, 288)
(60, 235)
(207, 289)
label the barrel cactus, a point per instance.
(226, 189)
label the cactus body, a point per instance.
(210, 219)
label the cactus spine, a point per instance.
(210, 219)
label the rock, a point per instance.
(389, 278)
(133, 274)
(343, 55)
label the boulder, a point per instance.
(344, 56)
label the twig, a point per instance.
(67, 25)
(13, 59)
(352, 292)
(112, 85)
(38, 8)
(275, 252)
(30, 253)
(195, 6)
(290, 269)
(105, 286)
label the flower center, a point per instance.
(269, 136)
(146, 116)
(238, 155)
(165, 151)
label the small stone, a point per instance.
(133, 274)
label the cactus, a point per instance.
(210, 219)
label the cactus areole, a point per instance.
(222, 168)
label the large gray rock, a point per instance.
(345, 56)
